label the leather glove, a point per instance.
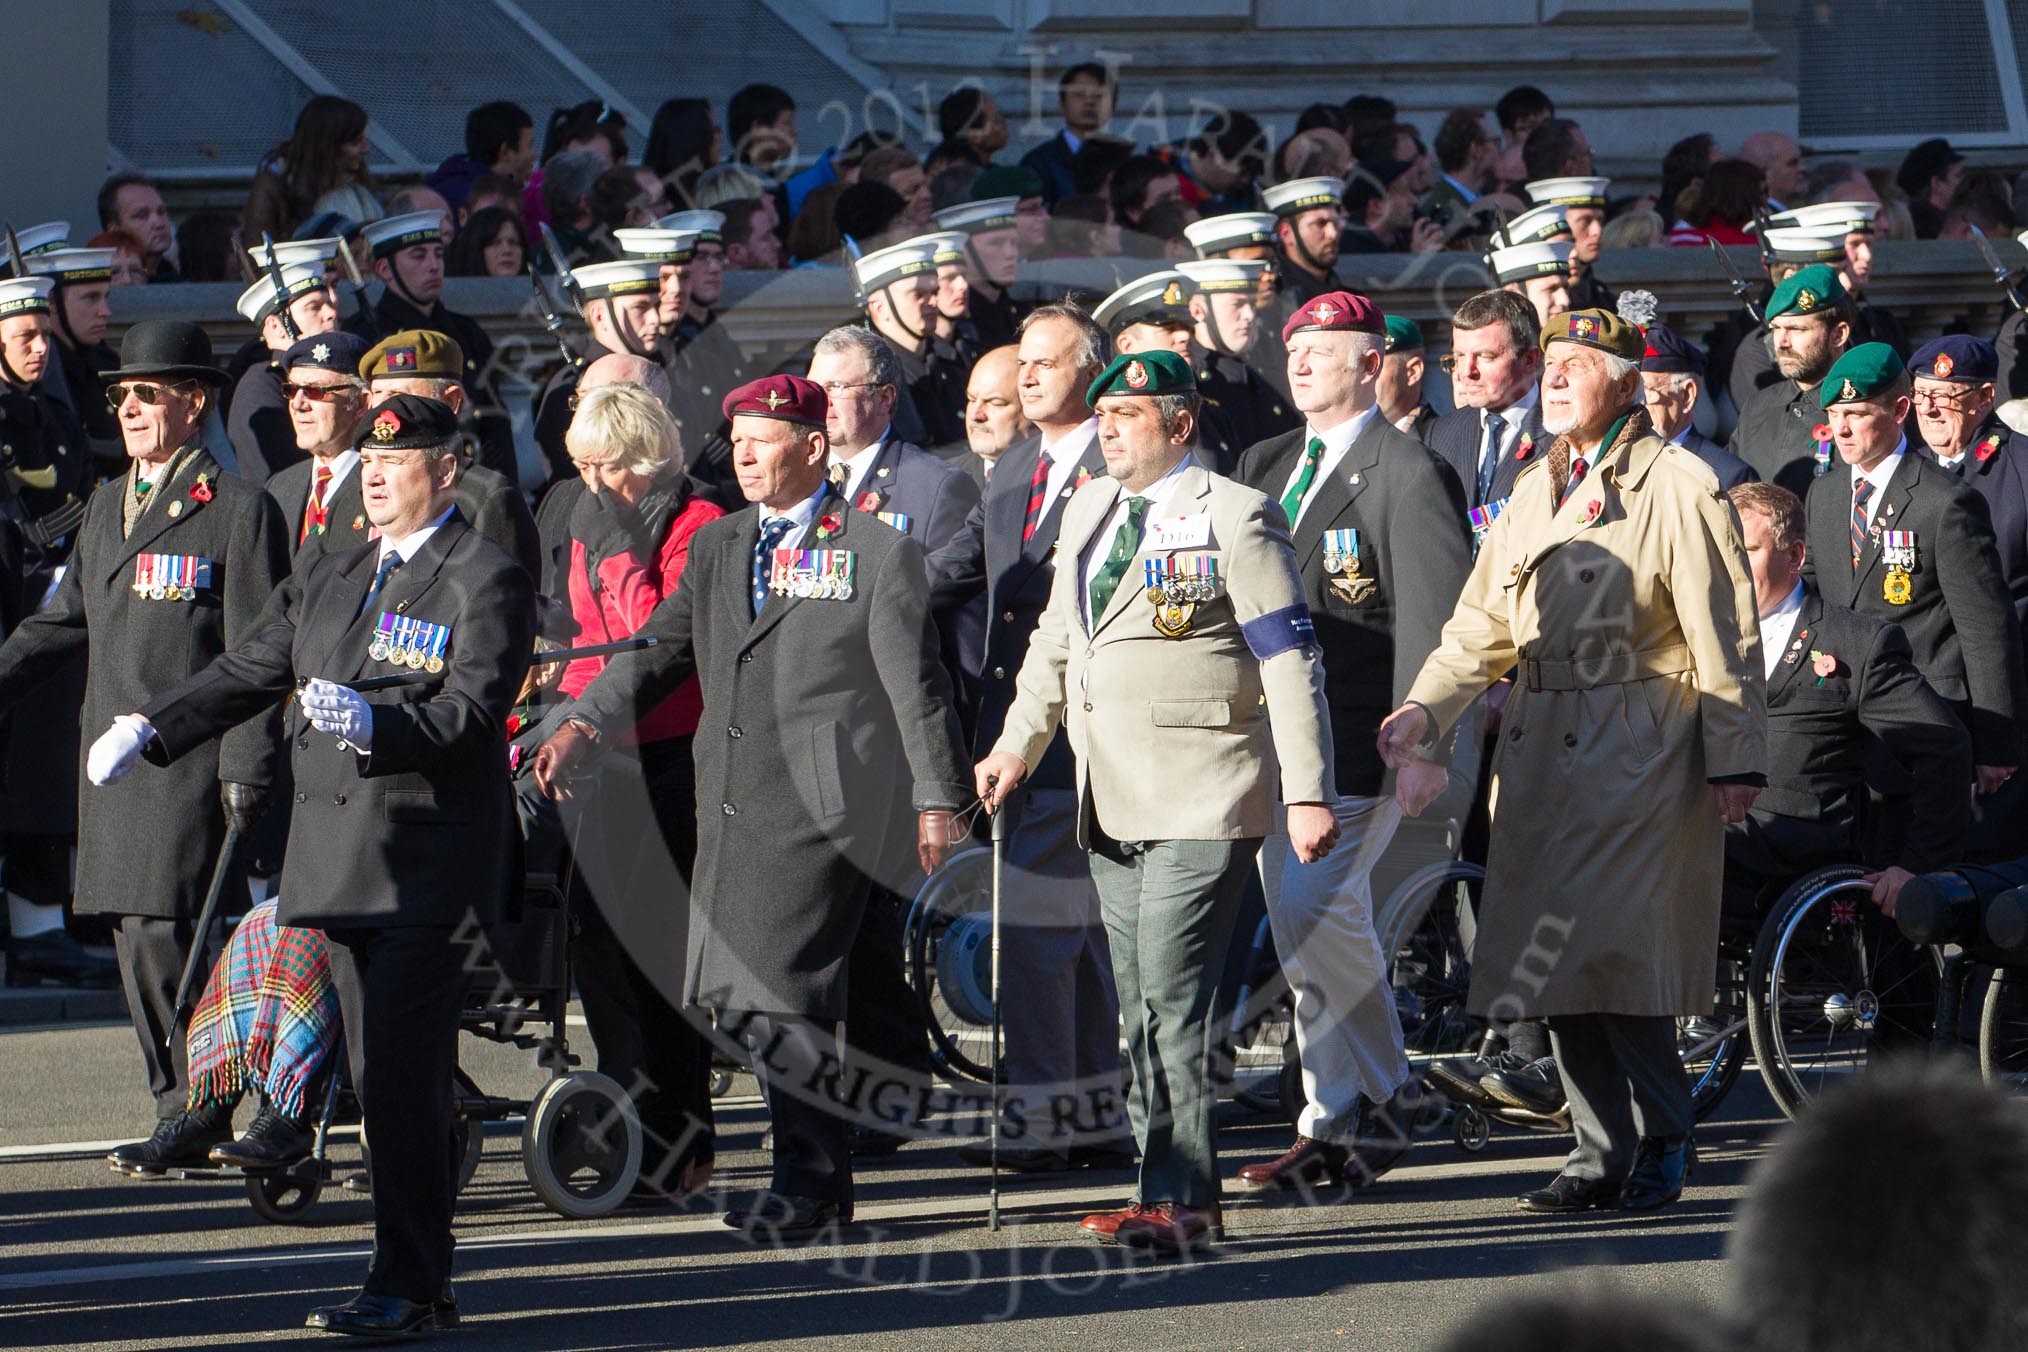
(343, 713)
(557, 759)
(935, 838)
(607, 525)
(244, 804)
(117, 748)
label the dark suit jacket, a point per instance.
(148, 843)
(259, 428)
(1820, 733)
(2002, 480)
(345, 515)
(497, 510)
(1250, 407)
(1959, 619)
(1057, 163)
(1457, 438)
(1730, 469)
(815, 713)
(421, 831)
(1392, 490)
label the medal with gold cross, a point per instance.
(1897, 551)
(1176, 587)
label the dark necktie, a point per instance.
(1862, 526)
(1489, 456)
(771, 533)
(1126, 544)
(1038, 497)
(1577, 469)
(388, 564)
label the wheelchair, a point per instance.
(581, 1140)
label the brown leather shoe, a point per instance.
(1169, 1227)
(1106, 1224)
(1308, 1163)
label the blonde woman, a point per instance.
(630, 537)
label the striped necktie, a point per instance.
(1306, 474)
(318, 514)
(1862, 525)
(1038, 496)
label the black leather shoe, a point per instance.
(1662, 1166)
(1536, 1087)
(272, 1140)
(383, 1317)
(870, 1142)
(1022, 1159)
(56, 959)
(1460, 1078)
(1568, 1193)
(180, 1142)
(1104, 1156)
(774, 1216)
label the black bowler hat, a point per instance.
(167, 349)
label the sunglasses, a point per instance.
(145, 391)
(319, 394)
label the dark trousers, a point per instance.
(401, 991)
(1625, 1081)
(796, 1062)
(151, 953)
(884, 1033)
(629, 972)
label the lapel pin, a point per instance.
(883, 472)
(1355, 480)
(176, 508)
(401, 609)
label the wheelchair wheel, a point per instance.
(469, 1133)
(1426, 929)
(581, 1145)
(283, 1195)
(948, 941)
(1833, 984)
(2003, 1032)
(1714, 1049)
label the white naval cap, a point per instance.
(621, 277)
(1807, 246)
(1234, 230)
(1302, 194)
(24, 295)
(38, 239)
(708, 225)
(67, 266)
(1534, 226)
(262, 299)
(948, 244)
(392, 234)
(1519, 262)
(290, 252)
(978, 218)
(1212, 275)
(1158, 298)
(910, 258)
(1576, 191)
(663, 244)
(1826, 217)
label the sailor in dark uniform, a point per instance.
(408, 257)
(691, 401)
(899, 288)
(956, 338)
(1224, 316)
(80, 312)
(1309, 217)
(618, 302)
(1250, 237)
(992, 259)
(262, 436)
(1583, 200)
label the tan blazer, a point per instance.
(1627, 616)
(1192, 737)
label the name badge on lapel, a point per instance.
(1341, 562)
(1176, 587)
(823, 574)
(1897, 551)
(1179, 532)
(170, 577)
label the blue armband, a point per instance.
(1276, 632)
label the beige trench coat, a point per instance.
(1628, 618)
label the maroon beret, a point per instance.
(789, 398)
(1337, 312)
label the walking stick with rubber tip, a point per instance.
(993, 1128)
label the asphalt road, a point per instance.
(90, 1259)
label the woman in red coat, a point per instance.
(630, 531)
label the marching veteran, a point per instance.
(1616, 587)
(1177, 652)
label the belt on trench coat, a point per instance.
(1585, 673)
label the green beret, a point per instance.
(1007, 180)
(1601, 329)
(1151, 373)
(1868, 370)
(1806, 292)
(1403, 335)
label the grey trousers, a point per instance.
(1063, 1031)
(1169, 907)
(1625, 1081)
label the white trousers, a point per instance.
(1322, 917)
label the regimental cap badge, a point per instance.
(773, 399)
(1848, 390)
(1136, 376)
(386, 427)
(1323, 312)
(401, 359)
(1806, 300)
(1943, 366)
(322, 352)
(1583, 326)
(1172, 294)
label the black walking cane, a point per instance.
(993, 1129)
(236, 820)
(406, 678)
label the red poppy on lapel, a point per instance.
(829, 525)
(1526, 447)
(869, 501)
(1591, 510)
(201, 490)
(1986, 449)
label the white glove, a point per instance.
(117, 748)
(343, 713)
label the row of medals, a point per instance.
(1176, 601)
(1351, 586)
(830, 587)
(160, 592)
(415, 659)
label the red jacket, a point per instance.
(628, 591)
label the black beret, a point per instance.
(406, 421)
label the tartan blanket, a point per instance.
(268, 1018)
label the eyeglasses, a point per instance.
(1951, 400)
(146, 391)
(319, 394)
(837, 387)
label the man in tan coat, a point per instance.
(1616, 588)
(1178, 654)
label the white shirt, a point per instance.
(1063, 458)
(408, 544)
(341, 465)
(1157, 494)
(1513, 416)
(1337, 444)
(1882, 474)
(1777, 628)
(800, 516)
(859, 464)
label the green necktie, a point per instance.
(1306, 474)
(1126, 544)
